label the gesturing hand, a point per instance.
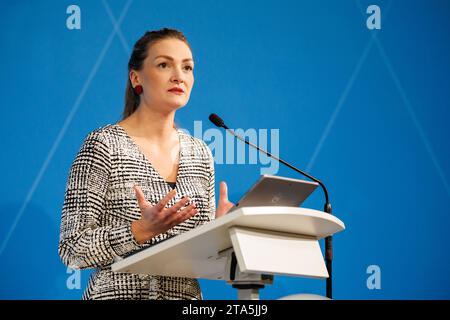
(158, 219)
(224, 204)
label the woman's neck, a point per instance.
(151, 125)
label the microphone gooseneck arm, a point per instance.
(216, 120)
(282, 161)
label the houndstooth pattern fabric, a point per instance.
(100, 204)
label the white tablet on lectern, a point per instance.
(272, 190)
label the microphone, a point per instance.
(217, 121)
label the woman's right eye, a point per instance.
(163, 63)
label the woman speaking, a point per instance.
(141, 180)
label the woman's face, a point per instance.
(169, 64)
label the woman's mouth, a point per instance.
(177, 92)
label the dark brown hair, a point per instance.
(140, 51)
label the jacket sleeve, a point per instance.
(83, 242)
(211, 186)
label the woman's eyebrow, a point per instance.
(170, 58)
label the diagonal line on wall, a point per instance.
(411, 112)
(343, 97)
(414, 118)
(63, 129)
(339, 105)
(117, 27)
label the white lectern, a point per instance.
(245, 248)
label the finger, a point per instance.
(185, 215)
(163, 202)
(223, 191)
(179, 205)
(140, 196)
(175, 216)
(189, 214)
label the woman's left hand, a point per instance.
(224, 204)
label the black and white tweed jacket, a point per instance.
(100, 204)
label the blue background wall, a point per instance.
(364, 110)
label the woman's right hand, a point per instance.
(158, 219)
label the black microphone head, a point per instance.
(214, 118)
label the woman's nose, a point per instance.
(176, 79)
(177, 75)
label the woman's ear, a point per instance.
(134, 78)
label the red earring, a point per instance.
(138, 89)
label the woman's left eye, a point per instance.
(164, 64)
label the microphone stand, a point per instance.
(327, 209)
